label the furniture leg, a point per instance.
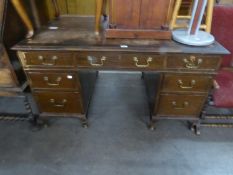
(151, 125)
(195, 127)
(56, 8)
(99, 7)
(23, 15)
(84, 123)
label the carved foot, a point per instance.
(37, 124)
(85, 123)
(195, 128)
(151, 126)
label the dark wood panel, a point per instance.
(126, 15)
(157, 17)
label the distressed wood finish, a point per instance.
(169, 68)
(61, 103)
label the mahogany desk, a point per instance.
(62, 60)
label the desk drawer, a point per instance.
(186, 83)
(97, 60)
(180, 105)
(58, 80)
(48, 59)
(118, 60)
(193, 62)
(57, 102)
(142, 61)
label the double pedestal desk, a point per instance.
(62, 62)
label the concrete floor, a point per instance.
(117, 142)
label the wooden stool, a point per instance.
(176, 16)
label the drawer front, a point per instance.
(142, 61)
(186, 83)
(58, 80)
(193, 62)
(97, 60)
(120, 61)
(47, 59)
(180, 105)
(57, 102)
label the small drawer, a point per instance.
(47, 59)
(57, 102)
(55, 80)
(142, 61)
(193, 62)
(97, 60)
(186, 83)
(172, 105)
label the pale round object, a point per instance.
(200, 39)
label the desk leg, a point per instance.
(99, 8)
(56, 8)
(152, 124)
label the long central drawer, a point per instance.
(119, 60)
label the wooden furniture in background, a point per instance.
(137, 19)
(12, 78)
(175, 17)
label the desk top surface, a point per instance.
(77, 34)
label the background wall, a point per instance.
(85, 7)
(73, 7)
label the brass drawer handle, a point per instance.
(183, 106)
(58, 81)
(59, 105)
(192, 62)
(136, 60)
(181, 84)
(46, 62)
(91, 60)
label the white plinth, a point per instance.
(200, 39)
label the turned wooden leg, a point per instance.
(98, 13)
(209, 15)
(23, 15)
(56, 8)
